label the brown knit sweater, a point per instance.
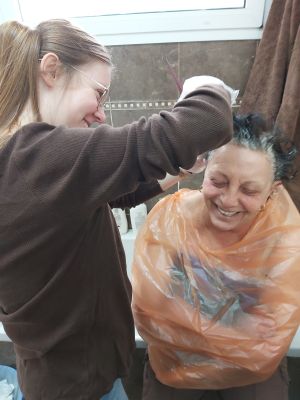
(64, 291)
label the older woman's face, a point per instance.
(237, 183)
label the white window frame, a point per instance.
(167, 27)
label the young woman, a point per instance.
(64, 292)
(216, 273)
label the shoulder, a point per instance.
(43, 143)
(38, 133)
(185, 203)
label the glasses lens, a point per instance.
(103, 97)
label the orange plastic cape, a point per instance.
(215, 319)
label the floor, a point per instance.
(133, 384)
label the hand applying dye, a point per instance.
(198, 167)
(195, 82)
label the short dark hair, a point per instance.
(250, 131)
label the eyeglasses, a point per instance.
(102, 92)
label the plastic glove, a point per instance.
(195, 82)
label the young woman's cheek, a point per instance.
(90, 106)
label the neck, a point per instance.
(223, 239)
(26, 117)
(216, 239)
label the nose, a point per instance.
(100, 115)
(229, 198)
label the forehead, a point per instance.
(241, 163)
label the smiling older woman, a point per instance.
(216, 274)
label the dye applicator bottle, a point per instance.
(121, 220)
(138, 216)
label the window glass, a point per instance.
(115, 7)
(118, 22)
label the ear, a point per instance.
(274, 187)
(49, 68)
(276, 184)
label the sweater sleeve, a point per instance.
(80, 169)
(144, 192)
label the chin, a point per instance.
(225, 226)
(82, 124)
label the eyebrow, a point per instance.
(244, 183)
(220, 173)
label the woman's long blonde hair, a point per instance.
(21, 48)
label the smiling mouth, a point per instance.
(227, 213)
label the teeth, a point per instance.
(227, 213)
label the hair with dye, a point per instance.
(250, 132)
(21, 48)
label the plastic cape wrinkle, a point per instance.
(215, 319)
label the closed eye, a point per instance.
(102, 96)
(249, 192)
(100, 93)
(218, 184)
